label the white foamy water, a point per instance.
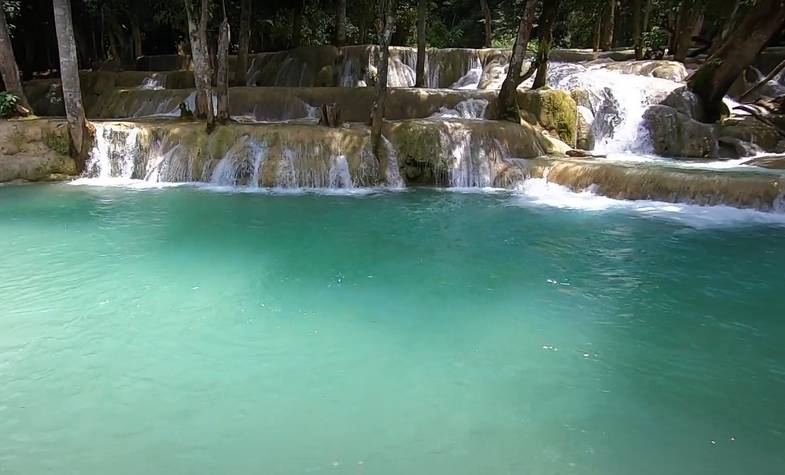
(155, 81)
(539, 192)
(466, 109)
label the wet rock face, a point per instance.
(674, 134)
(34, 150)
(749, 129)
(552, 110)
(686, 102)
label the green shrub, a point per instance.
(8, 103)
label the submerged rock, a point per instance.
(742, 189)
(552, 110)
(774, 163)
(674, 134)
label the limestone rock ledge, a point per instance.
(34, 150)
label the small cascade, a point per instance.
(241, 165)
(774, 87)
(154, 82)
(466, 109)
(174, 166)
(455, 68)
(340, 176)
(470, 80)
(117, 152)
(471, 158)
(616, 103)
(393, 171)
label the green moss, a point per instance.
(552, 110)
(58, 141)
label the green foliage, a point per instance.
(441, 36)
(8, 103)
(655, 39)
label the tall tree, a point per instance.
(506, 100)
(222, 67)
(297, 23)
(548, 16)
(487, 23)
(606, 31)
(711, 82)
(8, 66)
(422, 13)
(384, 27)
(244, 44)
(340, 23)
(197, 32)
(69, 77)
(685, 23)
(637, 29)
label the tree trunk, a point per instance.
(69, 77)
(618, 25)
(422, 13)
(507, 108)
(637, 29)
(646, 16)
(222, 70)
(297, 23)
(712, 81)
(487, 23)
(200, 57)
(136, 34)
(684, 27)
(384, 27)
(8, 66)
(596, 33)
(340, 23)
(245, 39)
(606, 32)
(549, 11)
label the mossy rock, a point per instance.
(57, 140)
(552, 110)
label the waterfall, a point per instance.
(154, 81)
(466, 109)
(470, 80)
(393, 172)
(294, 156)
(241, 165)
(116, 152)
(616, 102)
(471, 157)
(304, 167)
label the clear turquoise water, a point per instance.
(183, 331)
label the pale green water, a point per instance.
(183, 331)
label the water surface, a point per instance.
(185, 331)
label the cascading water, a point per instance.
(616, 102)
(393, 172)
(470, 157)
(116, 152)
(466, 109)
(155, 81)
(241, 165)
